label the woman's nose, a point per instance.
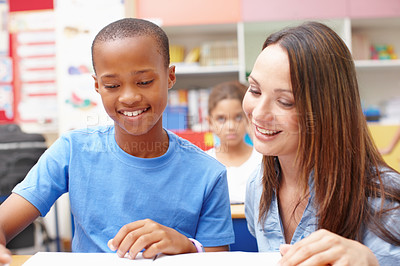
(263, 112)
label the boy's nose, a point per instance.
(129, 96)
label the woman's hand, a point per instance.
(154, 237)
(5, 255)
(326, 248)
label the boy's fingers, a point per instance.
(111, 245)
(114, 243)
(128, 242)
(152, 250)
(5, 258)
(5, 255)
(146, 243)
(135, 241)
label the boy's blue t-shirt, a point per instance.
(184, 189)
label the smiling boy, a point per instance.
(141, 187)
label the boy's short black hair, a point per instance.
(133, 27)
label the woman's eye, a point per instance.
(254, 90)
(144, 83)
(286, 103)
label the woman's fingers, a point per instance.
(326, 248)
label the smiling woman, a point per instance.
(269, 105)
(323, 188)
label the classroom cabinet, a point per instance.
(378, 74)
(212, 40)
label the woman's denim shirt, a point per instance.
(270, 235)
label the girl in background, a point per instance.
(323, 188)
(228, 122)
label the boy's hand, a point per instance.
(5, 255)
(326, 248)
(154, 237)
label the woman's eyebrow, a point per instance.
(253, 79)
(283, 90)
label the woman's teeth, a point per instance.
(267, 132)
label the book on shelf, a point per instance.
(187, 110)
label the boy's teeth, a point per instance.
(134, 113)
(266, 131)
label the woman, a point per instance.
(323, 187)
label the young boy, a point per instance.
(134, 185)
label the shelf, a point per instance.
(189, 69)
(206, 29)
(377, 64)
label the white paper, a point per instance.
(192, 259)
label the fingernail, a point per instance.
(120, 254)
(111, 246)
(129, 256)
(6, 257)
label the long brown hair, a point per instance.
(335, 145)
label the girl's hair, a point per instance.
(335, 146)
(226, 90)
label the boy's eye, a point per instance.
(144, 83)
(110, 86)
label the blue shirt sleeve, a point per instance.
(215, 217)
(386, 253)
(48, 178)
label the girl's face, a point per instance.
(228, 122)
(270, 106)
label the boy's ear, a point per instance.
(171, 77)
(96, 83)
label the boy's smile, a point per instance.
(133, 82)
(134, 113)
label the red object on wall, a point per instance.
(200, 139)
(23, 5)
(17, 6)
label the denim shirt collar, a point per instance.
(308, 223)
